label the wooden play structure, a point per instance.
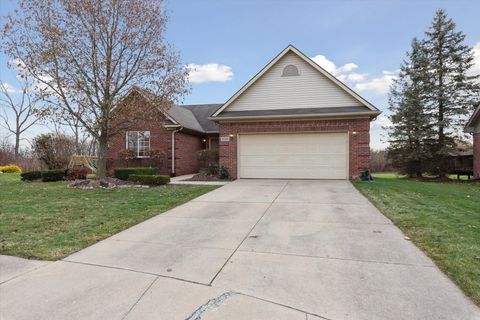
(89, 162)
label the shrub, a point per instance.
(124, 173)
(10, 169)
(208, 159)
(55, 150)
(149, 179)
(76, 174)
(365, 175)
(223, 173)
(53, 175)
(31, 176)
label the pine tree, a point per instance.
(450, 92)
(411, 132)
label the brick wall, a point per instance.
(160, 139)
(359, 149)
(476, 155)
(185, 147)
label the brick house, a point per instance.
(174, 135)
(473, 127)
(292, 120)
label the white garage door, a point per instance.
(293, 156)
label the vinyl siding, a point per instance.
(309, 90)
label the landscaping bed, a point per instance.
(203, 177)
(47, 220)
(443, 219)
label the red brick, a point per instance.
(160, 139)
(476, 155)
(359, 148)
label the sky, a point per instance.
(362, 42)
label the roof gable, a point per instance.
(312, 87)
(192, 117)
(474, 121)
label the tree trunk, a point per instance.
(102, 155)
(17, 147)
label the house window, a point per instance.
(139, 142)
(290, 71)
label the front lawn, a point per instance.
(443, 219)
(45, 220)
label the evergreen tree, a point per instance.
(450, 92)
(411, 132)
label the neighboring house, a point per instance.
(293, 120)
(473, 126)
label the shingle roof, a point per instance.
(195, 117)
(470, 127)
(296, 112)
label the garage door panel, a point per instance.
(311, 160)
(293, 156)
(292, 173)
(292, 148)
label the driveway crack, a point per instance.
(212, 303)
(248, 234)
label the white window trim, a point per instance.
(137, 152)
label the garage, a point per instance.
(294, 120)
(317, 155)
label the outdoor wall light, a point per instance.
(354, 133)
(204, 140)
(231, 135)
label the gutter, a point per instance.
(372, 115)
(172, 173)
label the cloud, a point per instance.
(383, 121)
(210, 72)
(357, 77)
(379, 85)
(349, 67)
(476, 60)
(9, 88)
(343, 73)
(339, 72)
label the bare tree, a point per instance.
(66, 124)
(18, 115)
(88, 53)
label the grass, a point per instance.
(443, 219)
(45, 220)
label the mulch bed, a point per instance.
(201, 177)
(107, 183)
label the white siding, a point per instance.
(309, 90)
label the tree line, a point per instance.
(431, 99)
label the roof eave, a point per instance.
(470, 126)
(370, 115)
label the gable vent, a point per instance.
(290, 71)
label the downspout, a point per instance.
(172, 173)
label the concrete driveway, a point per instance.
(253, 249)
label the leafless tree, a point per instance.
(68, 125)
(17, 115)
(88, 53)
